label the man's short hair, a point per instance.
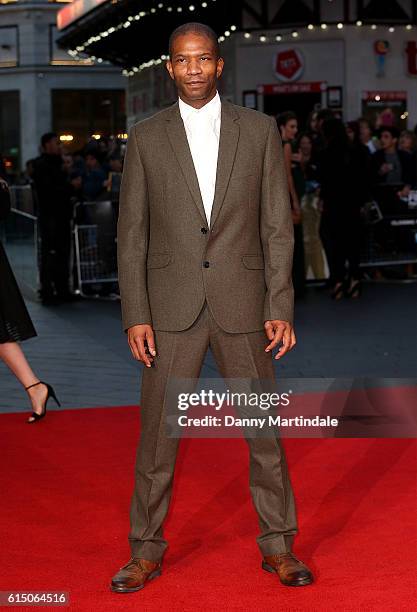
(395, 132)
(194, 28)
(45, 138)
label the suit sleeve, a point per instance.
(277, 232)
(133, 238)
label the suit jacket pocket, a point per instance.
(158, 260)
(253, 262)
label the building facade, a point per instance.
(42, 88)
(356, 56)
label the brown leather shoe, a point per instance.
(134, 575)
(291, 571)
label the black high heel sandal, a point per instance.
(51, 393)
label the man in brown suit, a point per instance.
(205, 246)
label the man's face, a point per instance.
(194, 67)
(90, 161)
(387, 140)
(53, 147)
(365, 131)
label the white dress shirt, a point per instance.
(202, 126)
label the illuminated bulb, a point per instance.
(247, 35)
(278, 37)
(359, 23)
(310, 26)
(409, 27)
(377, 98)
(391, 29)
(233, 28)
(262, 38)
(373, 27)
(340, 26)
(294, 34)
(324, 26)
(191, 7)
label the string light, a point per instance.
(82, 48)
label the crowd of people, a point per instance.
(60, 180)
(334, 170)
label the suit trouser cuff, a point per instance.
(276, 544)
(147, 550)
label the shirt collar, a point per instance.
(212, 109)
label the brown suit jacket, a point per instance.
(170, 262)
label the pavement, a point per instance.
(82, 350)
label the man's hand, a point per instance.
(141, 339)
(276, 331)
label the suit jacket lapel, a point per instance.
(178, 139)
(229, 138)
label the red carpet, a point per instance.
(66, 485)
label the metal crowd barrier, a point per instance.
(390, 235)
(20, 237)
(95, 229)
(389, 238)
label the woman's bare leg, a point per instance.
(14, 358)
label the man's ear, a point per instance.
(168, 66)
(220, 66)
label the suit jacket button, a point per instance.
(204, 230)
(206, 264)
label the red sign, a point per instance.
(74, 11)
(384, 96)
(289, 88)
(289, 64)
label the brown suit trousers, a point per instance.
(201, 286)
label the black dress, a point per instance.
(15, 322)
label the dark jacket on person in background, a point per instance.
(408, 173)
(53, 191)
